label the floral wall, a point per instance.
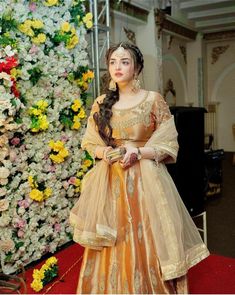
(44, 76)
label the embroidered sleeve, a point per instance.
(162, 113)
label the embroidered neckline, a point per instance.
(135, 106)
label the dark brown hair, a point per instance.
(103, 117)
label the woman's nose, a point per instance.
(118, 65)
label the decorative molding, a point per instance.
(130, 35)
(183, 52)
(169, 41)
(129, 9)
(170, 88)
(225, 35)
(217, 51)
(160, 19)
(163, 22)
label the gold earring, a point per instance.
(135, 84)
(112, 85)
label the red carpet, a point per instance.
(214, 275)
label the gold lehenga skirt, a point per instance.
(132, 265)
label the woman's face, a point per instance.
(121, 67)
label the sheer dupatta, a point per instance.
(93, 215)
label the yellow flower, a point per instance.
(31, 181)
(65, 27)
(84, 168)
(38, 274)
(44, 124)
(89, 24)
(80, 173)
(76, 105)
(77, 182)
(47, 192)
(42, 38)
(63, 153)
(85, 85)
(76, 125)
(36, 285)
(58, 145)
(56, 159)
(51, 261)
(37, 24)
(35, 112)
(36, 195)
(88, 163)
(82, 114)
(87, 17)
(77, 189)
(44, 268)
(73, 42)
(51, 2)
(15, 73)
(42, 104)
(88, 75)
(73, 31)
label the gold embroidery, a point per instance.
(137, 282)
(116, 187)
(153, 277)
(140, 231)
(102, 284)
(130, 185)
(88, 269)
(113, 277)
(141, 115)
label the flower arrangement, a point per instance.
(38, 116)
(45, 274)
(38, 190)
(43, 83)
(58, 151)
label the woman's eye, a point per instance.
(126, 63)
(111, 62)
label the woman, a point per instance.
(137, 234)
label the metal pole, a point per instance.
(107, 23)
(96, 49)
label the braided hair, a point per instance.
(103, 117)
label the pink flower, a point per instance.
(32, 6)
(52, 168)
(72, 180)
(65, 185)
(24, 203)
(33, 49)
(57, 227)
(15, 140)
(65, 74)
(20, 233)
(64, 138)
(19, 223)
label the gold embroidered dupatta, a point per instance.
(178, 242)
(176, 238)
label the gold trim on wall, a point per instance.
(217, 51)
(130, 35)
(183, 52)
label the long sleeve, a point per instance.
(165, 145)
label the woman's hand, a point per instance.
(130, 158)
(101, 152)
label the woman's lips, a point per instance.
(118, 74)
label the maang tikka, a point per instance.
(120, 51)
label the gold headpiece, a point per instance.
(120, 51)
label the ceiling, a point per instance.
(209, 15)
(203, 15)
